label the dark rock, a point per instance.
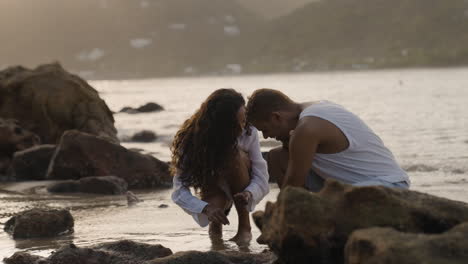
(23, 258)
(150, 107)
(305, 227)
(139, 251)
(32, 163)
(144, 136)
(163, 206)
(48, 101)
(121, 252)
(99, 185)
(103, 185)
(215, 257)
(64, 187)
(147, 108)
(40, 223)
(386, 246)
(13, 138)
(82, 155)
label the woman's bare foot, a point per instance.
(242, 237)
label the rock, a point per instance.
(139, 251)
(215, 257)
(163, 206)
(386, 246)
(305, 227)
(32, 163)
(64, 187)
(40, 223)
(48, 101)
(99, 185)
(13, 138)
(103, 185)
(150, 107)
(82, 155)
(23, 258)
(147, 108)
(121, 252)
(144, 136)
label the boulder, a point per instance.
(40, 223)
(305, 227)
(146, 108)
(386, 246)
(144, 136)
(100, 185)
(32, 163)
(48, 101)
(13, 137)
(82, 155)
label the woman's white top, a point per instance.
(258, 186)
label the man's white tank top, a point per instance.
(366, 157)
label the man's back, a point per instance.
(366, 158)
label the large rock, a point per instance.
(13, 138)
(40, 223)
(48, 101)
(32, 163)
(387, 246)
(305, 227)
(100, 185)
(144, 136)
(23, 258)
(81, 155)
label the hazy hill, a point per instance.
(146, 38)
(122, 38)
(335, 34)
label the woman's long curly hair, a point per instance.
(207, 141)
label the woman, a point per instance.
(219, 156)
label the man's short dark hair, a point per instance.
(263, 102)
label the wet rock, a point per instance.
(32, 163)
(13, 138)
(40, 223)
(82, 155)
(48, 101)
(64, 187)
(103, 185)
(215, 257)
(136, 250)
(386, 246)
(305, 227)
(146, 108)
(163, 206)
(99, 185)
(121, 252)
(23, 258)
(144, 136)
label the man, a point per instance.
(321, 140)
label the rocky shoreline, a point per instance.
(64, 131)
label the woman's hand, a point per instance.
(215, 214)
(243, 198)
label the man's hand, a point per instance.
(215, 214)
(243, 198)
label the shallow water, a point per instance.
(422, 116)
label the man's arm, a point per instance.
(303, 145)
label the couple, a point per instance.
(217, 152)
